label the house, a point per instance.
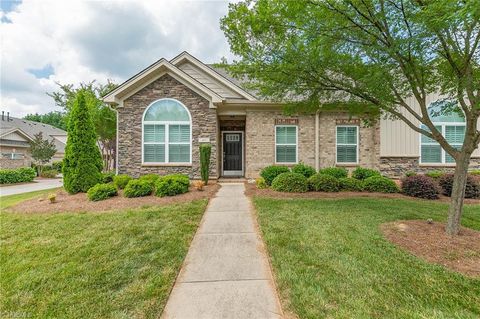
(15, 137)
(167, 110)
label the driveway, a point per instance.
(37, 185)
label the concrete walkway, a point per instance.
(226, 272)
(38, 185)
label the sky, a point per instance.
(46, 42)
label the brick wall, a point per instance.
(204, 125)
(260, 139)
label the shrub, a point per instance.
(120, 181)
(323, 183)
(337, 172)
(435, 174)
(138, 188)
(410, 173)
(303, 169)
(101, 192)
(475, 172)
(48, 173)
(472, 189)
(107, 177)
(350, 184)
(52, 198)
(151, 178)
(19, 175)
(57, 165)
(261, 184)
(171, 185)
(421, 186)
(380, 184)
(364, 173)
(270, 172)
(290, 182)
(205, 152)
(83, 162)
(199, 185)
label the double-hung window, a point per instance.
(166, 133)
(451, 124)
(286, 144)
(347, 144)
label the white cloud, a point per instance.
(98, 40)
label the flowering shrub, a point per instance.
(421, 186)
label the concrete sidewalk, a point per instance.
(37, 185)
(226, 272)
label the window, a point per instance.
(286, 144)
(448, 120)
(347, 144)
(13, 156)
(166, 133)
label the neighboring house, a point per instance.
(165, 112)
(15, 135)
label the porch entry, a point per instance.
(232, 153)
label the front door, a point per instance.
(232, 154)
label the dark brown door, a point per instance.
(232, 154)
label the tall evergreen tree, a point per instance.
(82, 163)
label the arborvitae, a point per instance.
(82, 164)
(205, 151)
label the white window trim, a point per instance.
(347, 144)
(167, 136)
(443, 153)
(280, 144)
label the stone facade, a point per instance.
(204, 125)
(396, 167)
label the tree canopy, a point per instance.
(364, 55)
(54, 118)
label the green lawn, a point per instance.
(331, 261)
(93, 265)
(6, 201)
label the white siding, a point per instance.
(208, 81)
(398, 139)
(15, 137)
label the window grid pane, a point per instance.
(431, 154)
(154, 133)
(179, 133)
(286, 153)
(154, 153)
(179, 153)
(286, 144)
(347, 140)
(286, 135)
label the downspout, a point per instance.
(317, 142)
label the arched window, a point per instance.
(166, 133)
(450, 121)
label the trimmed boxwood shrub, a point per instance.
(101, 192)
(151, 178)
(472, 189)
(270, 172)
(290, 182)
(337, 172)
(171, 185)
(120, 181)
(323, 183)
(380, 184)
(364, 173)
(421, 186)
(107, 177)
(350, 184)
(138, 188)
(48, 173)
(303, 169)
(18, 175)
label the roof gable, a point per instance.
(151, 74)
(210, 77)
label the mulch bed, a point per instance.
(430, 242)
(80, 203)
(251, 190)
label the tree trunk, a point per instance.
(458, 194)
